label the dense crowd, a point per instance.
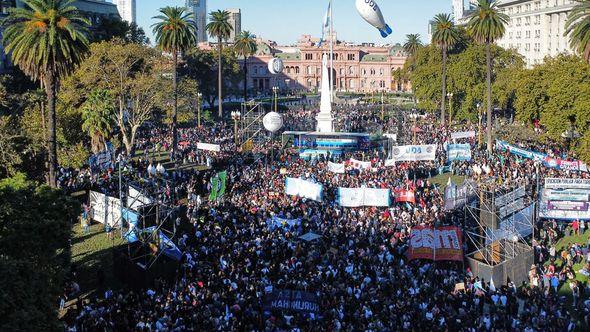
(234, 255)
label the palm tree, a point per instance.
(245, 45)
(412, 44)
(98, 115)
(175, 32)
(445, 35)
(219, 28)
(578, 28)
(47, 39)
(486, 25)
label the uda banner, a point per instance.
(304, 188)
(336, 168)
(461, 152)
(414, 152)
(440, 244)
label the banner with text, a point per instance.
(565, 199)
(105, 209)
(292, 300)
(441, 244)
(565, 165)
(357, 197)
(362, 165)
(461, 152)
(304, 188)
(414, 152)
(457, 196)
(515, 150)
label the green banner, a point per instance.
(218, 185)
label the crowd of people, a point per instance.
(240, 249)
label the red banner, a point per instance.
(405, 196)
(447, 240)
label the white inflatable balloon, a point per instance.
(272, 121)
(370, 11)
(275, 66)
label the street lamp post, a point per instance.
(199, 108)
(450, 96)
(479, 125)
(275, 90)
(236, 115)
(382, 107)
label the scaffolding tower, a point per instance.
(251, 127)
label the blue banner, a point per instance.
(284, 223)
(515, 150)
(461, 152)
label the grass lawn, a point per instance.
(441, 180)
(92, 252)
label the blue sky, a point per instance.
(285, 20)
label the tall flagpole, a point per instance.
(331, 51)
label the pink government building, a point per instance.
(357, 68)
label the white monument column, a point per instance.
(324, 118)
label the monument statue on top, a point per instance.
(324, 118)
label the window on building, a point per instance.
(351, 84)
(309, 70)
(297, 70)
(308, 56)
(309, 83)
(381, 72)
(341, 71)
(350, 70)
(351, 57)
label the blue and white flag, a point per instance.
(326, 23)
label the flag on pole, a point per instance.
(326, 24)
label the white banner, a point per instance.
(303, 188)
(462, 134)
(414, 152)
(135, 199)
(336, 168)
(362, 165)
(565, 199)
(209, 147)
(357, 197)
(105, 209)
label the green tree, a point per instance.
(412, 44)
(175, 33)
(99, 114)
(219, 28)
(486, 25)
(35, 225)
(578, 28)
(47, 39)
(445, 35)
(245, 46)
(132, 73)
(109, 28)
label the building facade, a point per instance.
(535, 28)
(198, 8)
(235, 20)
(127, 10)
(357, 68)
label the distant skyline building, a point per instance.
(235, 20)
(199, 10)
(127, 10)
(535, 28)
